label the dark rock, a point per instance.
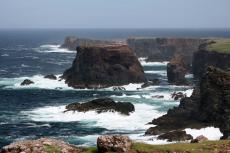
(163, 49)
(26, 82)
(113, 143)
(43, 145)
(158, 96)
(119, 89)
(104, 66)
(178, 95)
(102, 105)
(204, 58)
(176, 70)
(209, 105)
(175, 136)
(51, 76)
(199, 139)
(150, 83)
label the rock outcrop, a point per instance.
(199, 139)
(43, 145)
(113, 143)
(104, 66)
(204, 58)
(176, 70)
(102, 105)
(51, 77)
(163, 49)
(209, 105)
(72, 42)
(176, 135)
(26, 82)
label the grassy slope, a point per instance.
(221, 45)
(205, 147)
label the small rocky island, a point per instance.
(103, 66)
(102, 105)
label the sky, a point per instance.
(114, 13)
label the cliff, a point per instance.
(103, 66)
(163, 49)
(213, 53)
(72, 42)
(209, 105)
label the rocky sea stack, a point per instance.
(209, 105)
(104, 66)
(176, 70)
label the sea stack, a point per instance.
(176, 70)
(103, 66)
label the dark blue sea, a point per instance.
(36, 110)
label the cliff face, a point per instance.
(72, 42)
(103, 66)
(163, 49)
(209, 105)
(204, 58)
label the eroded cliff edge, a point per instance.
(209, 105)
(212, 53)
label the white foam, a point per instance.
(144, 63)
(127, 96)
(162, 73)
(39, 82)
(5, 55)
(167, 95)
(148, 139)
(211, 133)
(53, 49)
(112, 121)
(189, 76)
(129, 87)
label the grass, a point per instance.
(52, 149)
(205, 147)
(221, 45)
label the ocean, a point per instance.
(35, 111)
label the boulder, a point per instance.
(175, 136)
(199, 139)
(113, 143)
(102, 105)
(104, 66)
(51, 76)
(178, 95)
(43, 145)
(176, 70)
(158, 96)
(119, 88)
(26, 82)
(150, 83)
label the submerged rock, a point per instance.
(150, 83)
(175, 136)
(176, 70)
(26, 82)
(113, 143)
(104, 66)
(43, 145)
(51, 76)
(102, 105)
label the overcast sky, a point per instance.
(114, 13)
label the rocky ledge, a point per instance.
(43, 145)
(209, 105)
(102, 105)
(104, 66)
